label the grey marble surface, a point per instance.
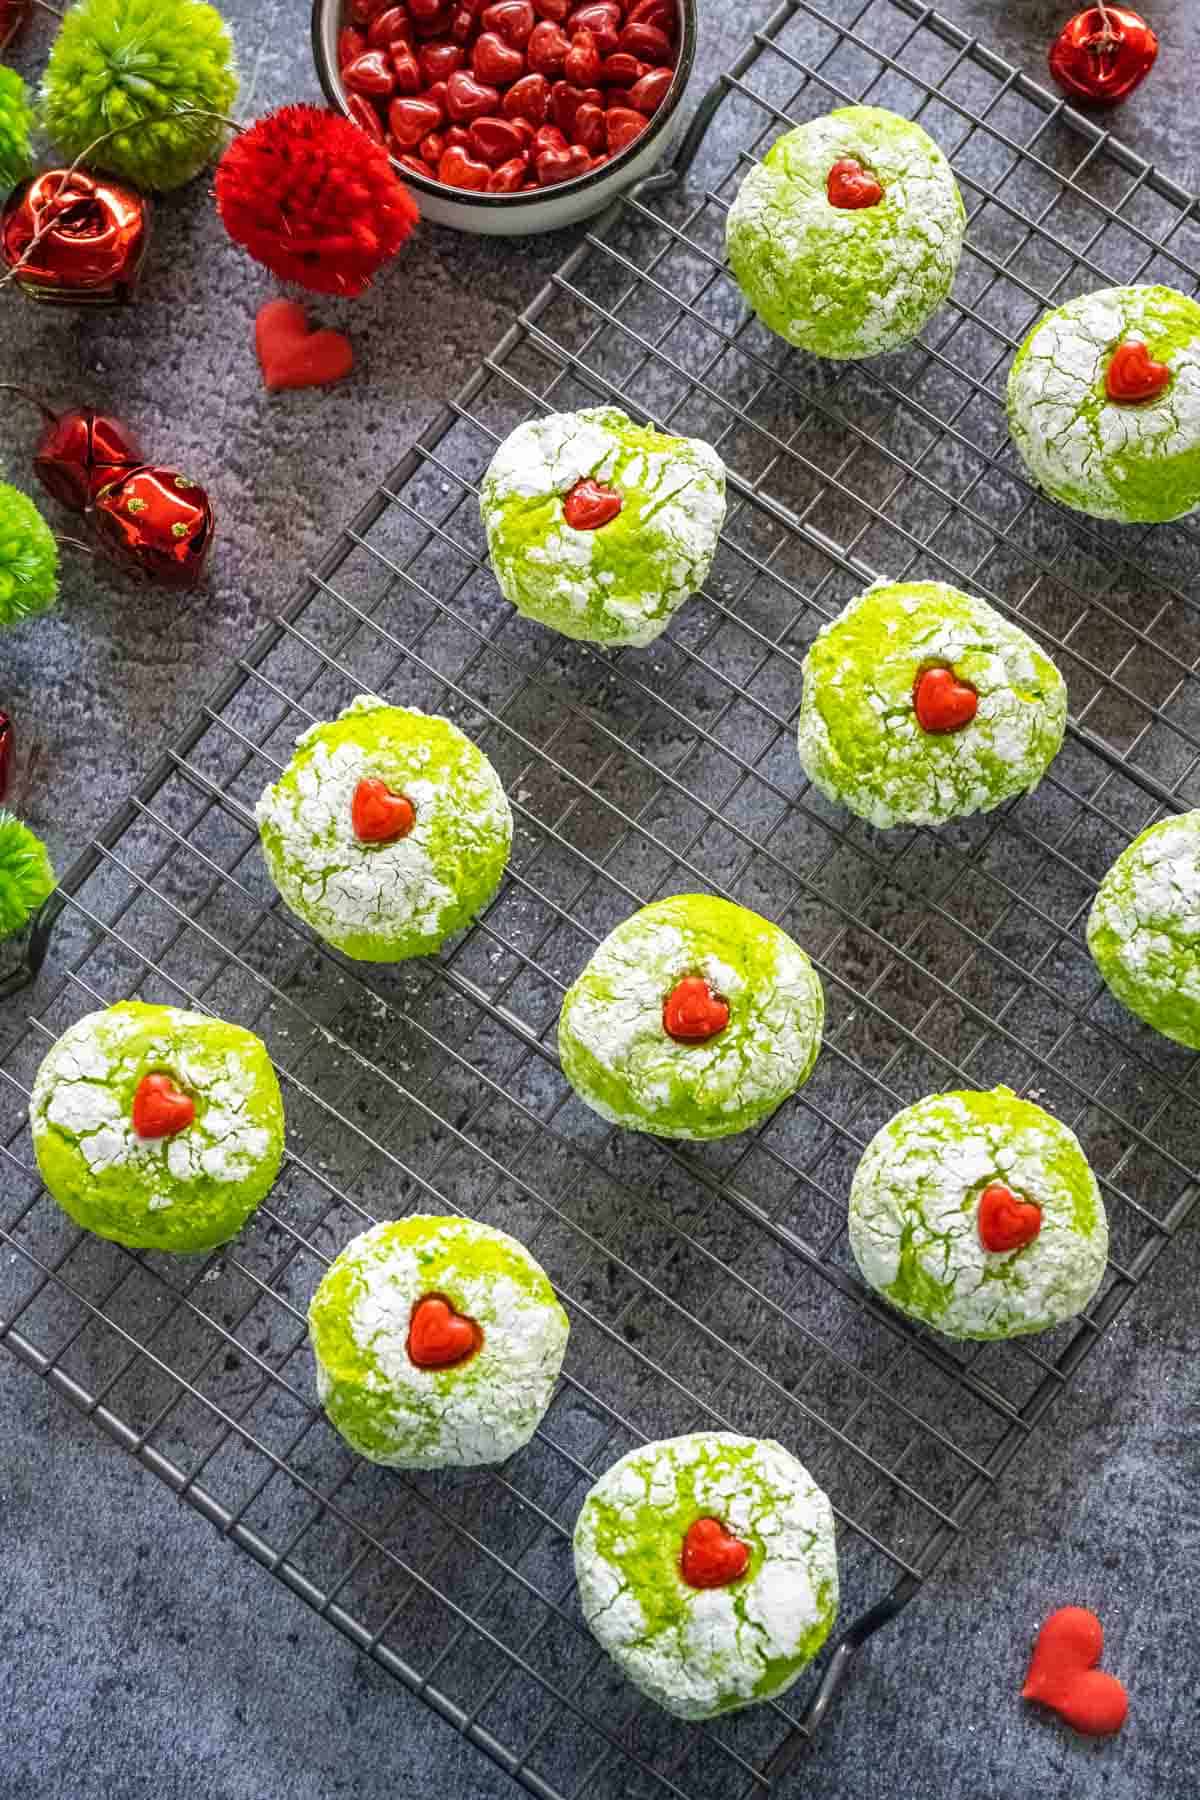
(141, 1655)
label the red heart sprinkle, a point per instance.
(350, 44)
(590, 129)
(513, 19)
(528, 98)
(371, 73)
(458, 168)
(1063, 1673)
(590, 504)
(406, 68)
(468, 99)
(547, 49)
(439, 1337)
(622, 124)
(561, 165)
(942, 702)
(160, 1109)
(648, 42)
(508, 177)
(496, 140)
(378, 815)
(439, 61)
(292, 356)
(1133, 376)
(411, 118)
(603, 19)
(654, 12)
(494, 61)
(389, 27)
(622, 69)
(692, 1013)
(582, 62)
(649, 93)
(711, 1556)
(547, 137)
(850, 186)
(1006, 1222)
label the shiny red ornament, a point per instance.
(6, 754)
(160, 1109)
(711, 1556)
(1103, 54)
(315, 199)
(13, 14)
(1133, 376)
(692, 1013)
(1006, 1222)
(93, 250)
(158, 522)
(82, 452)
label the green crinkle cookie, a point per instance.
(1144, 928)
(130, 66)
(185, 1192)
(618, 1056)
(619, 583)
(27, 875)
(703, 1651)
(16, 122)
(28, 558)
(380, 902)
(914, 1216)
(847, 282)
(392, 1410)
(1135, 463)
(859, 737)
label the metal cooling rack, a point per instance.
(707, 1285)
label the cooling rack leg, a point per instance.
(36, 947)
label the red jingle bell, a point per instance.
(6, 754)
(158, 522)
(1102, 54)
(95, 234)
(82, 452)
(13, 14)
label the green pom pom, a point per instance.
(16, 118)
(26, 874)
(118, 62)
(28, 558)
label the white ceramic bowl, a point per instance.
(546, 209)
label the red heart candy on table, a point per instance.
(439, 1337)
(1063, 1673)
(692, 1013)
(1133, 375)
(292, 356)
(590, 504)
(468, 99)
(378, 815)
(711, 1556)
(849, 186)
(1006, 1222)
(494, 61)
(942, 702)
(160, 1109)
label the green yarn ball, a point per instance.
(117, 63)
(28, 558)
(16, 118)
(26, 874)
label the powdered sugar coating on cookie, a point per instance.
(914, 1216)
(858, 735)
(385, 1405)
(384, 901)
(847, 282)
(619, 1058)
(621, 583)
(1135, 463)
(699, 1652)
(1144, 928)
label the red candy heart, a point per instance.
(650, 91)
(692, 1013)
(439, 61)
(512, 19)
(603, 19)
(365, 116)
(547, 49)
(1132, 375)
(378, 815)
(411, 118)
(1063, 1673)
(849, 186)
(589, 128)
(508, 177)
(292, 356)
(391, 26)
(622, 125)
(590, 504)
(406, 69)
(458, 168)
(160, 1109)
(528, 98)
(942, 702)
(1006, 1222)
(654, 12)
(439, 1337)
(1103, 53)
(711, 1556)
(468, 99)
(496, 140)
(371, 73)
(581, 65)
(648, 42)
(494, 61)
(561, 165)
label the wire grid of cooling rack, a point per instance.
(712, 1284)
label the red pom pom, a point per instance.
(314, 198)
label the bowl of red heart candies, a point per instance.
(510, 116)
